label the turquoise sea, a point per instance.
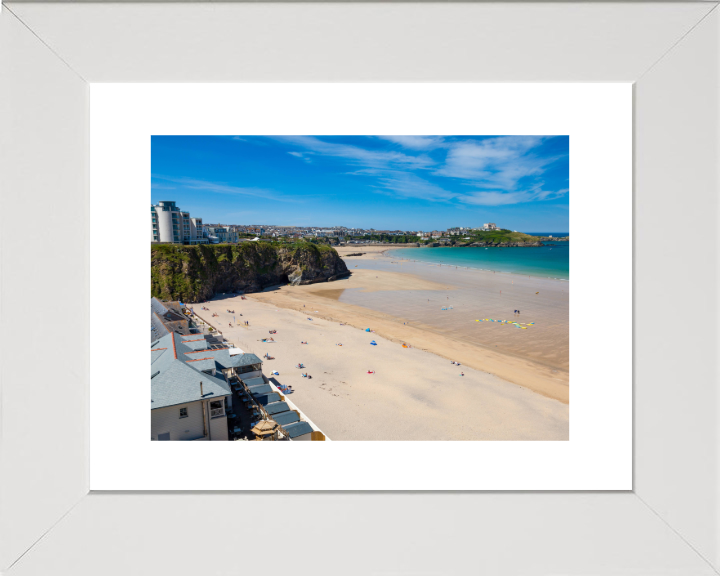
(549, 261)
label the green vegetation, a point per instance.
(194, 273)
(495, 236)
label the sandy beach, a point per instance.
(415, 393)
(405, 307)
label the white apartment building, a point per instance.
(220, 234)
(170, 224)
(490, 226)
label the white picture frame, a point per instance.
(50, 53)
(596, 118)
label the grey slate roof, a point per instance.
(286, 418)
(257, 381)
(298, 429)
(163, 355)
(277, 407)
(221, 356)
(179, 384)
(238, 360)
(266, 399)
(195, 343)
(157, 306)
(157, 328)
(173, 381)
(202, 364)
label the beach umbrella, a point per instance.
(264, 428)
(367, 329)
(373, 343)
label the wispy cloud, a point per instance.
(491, 171)
(223, 188)
(409, 185)
(496, 198)
(416, 142)
(357, 155)
(496, 162)
(302, 155)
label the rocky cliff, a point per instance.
(196, 273)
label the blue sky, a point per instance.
(382, 182)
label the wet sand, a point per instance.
(384, 294)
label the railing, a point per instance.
(265, 416)
(196, 315)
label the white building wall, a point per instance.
(218, 426)
(168, 420)
(165, 225)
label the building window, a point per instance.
(183, 413)
(217, 409)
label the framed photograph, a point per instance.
(361, 255)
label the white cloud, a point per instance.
(496, 198)
(356, 155)
(416, 142)
(408, 185)
(301, 155)
(499, 162)
(222, 188)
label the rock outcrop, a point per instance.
(196, 273)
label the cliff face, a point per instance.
(196, 273)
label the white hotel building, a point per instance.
(170, 224)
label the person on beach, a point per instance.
(462, 373)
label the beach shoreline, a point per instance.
(374, 251)
(536, 359)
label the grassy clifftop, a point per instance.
(195, 273)
(498, 237)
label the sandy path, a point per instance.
(413, 395)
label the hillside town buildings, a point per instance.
(169, 224)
